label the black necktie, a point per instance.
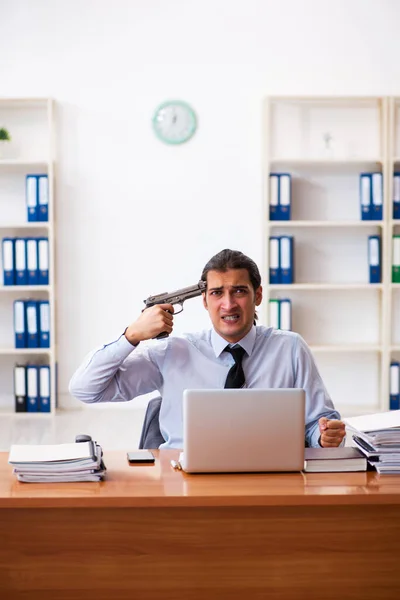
(235, 377)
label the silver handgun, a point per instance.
(177, 297)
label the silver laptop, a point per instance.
(243, 430)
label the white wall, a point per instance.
(136, 217)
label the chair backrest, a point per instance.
(151, 437)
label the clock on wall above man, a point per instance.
(174, 122)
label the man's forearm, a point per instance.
(96, 380)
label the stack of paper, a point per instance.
(378, 437)
(57, 463)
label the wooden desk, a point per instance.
(150, 532)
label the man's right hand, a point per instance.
(151, 323)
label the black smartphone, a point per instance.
(140, 456)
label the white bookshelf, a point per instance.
(394, 228)
(325, 143)
(30, 122)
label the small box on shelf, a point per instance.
(375, 258)
(32, 388)
(396, 259)
(280, 196)
(281, 256)
(37, 197)
(32, 323)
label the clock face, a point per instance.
(174, 122)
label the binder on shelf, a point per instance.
(396, 196)
(20, 324)
(32, 388)
(21, 272)
(285, 314)
(273, 307)
(8, 261)
(32, 323)
(32, 261)
(43, 198)
(44, 388)
(376, 197)
(365, 196)
(374, 258)
(274, 275)
(20, 388)
(396, 259)
(31, 191)
(43, 261)
(285, 196)
(286, 258)
(394, 385)
(273, 197)
(44, 322)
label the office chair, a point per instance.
(151, 435)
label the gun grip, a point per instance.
(161, 335)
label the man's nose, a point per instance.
(228, 301)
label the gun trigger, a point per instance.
(179, 311)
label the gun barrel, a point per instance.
(177, 297)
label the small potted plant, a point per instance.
(5, 138)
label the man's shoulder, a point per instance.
(277, 335)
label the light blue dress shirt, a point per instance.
(119, 372)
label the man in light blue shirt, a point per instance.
(136, 364)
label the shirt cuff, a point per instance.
(120, 348)
(132, 345)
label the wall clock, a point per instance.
(174, 122)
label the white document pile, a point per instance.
(378, 437)
(57, 463)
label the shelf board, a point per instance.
(326, 162)
(395, 286)
(328, 101)
(347, 348)
(326, 286)
(27, 225)
(394, 348)
(24, 288)
(7, 412)
(39, 102)
(21, 163)
(24, 351)
(294, 223)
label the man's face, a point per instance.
(230, 300)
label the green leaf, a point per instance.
(4, 135)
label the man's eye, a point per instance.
(215, 293)
(241, 291)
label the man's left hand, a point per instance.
(332, 432)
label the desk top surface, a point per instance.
(159, 485)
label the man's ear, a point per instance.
(205, 301)
(258, 295)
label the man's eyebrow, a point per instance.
(235, 287)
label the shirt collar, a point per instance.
(247, 343)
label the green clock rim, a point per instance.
(192, 129)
